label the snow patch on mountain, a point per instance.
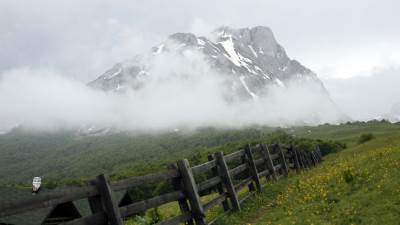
(242, 80)
(251, 57)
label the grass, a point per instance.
(359, 185)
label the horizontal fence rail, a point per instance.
(223, 175)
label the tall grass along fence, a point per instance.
(222, 177)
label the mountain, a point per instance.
(251, 57)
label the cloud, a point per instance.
(361, 59)
(200, 27)
(181, 92)
(366, 97)
(83, 38)
(79, 40)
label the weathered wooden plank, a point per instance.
(94, 219)
(234, 155)
(227, 180)
(243, 184)
(57, 219)
(268, 161)
(264, 173)
(282, 160)
(313, 158)
(191, 191)
(153, 202)
(204, 167)
(305, 159)
(259, 161)
(319, 153)
(249, 173)
(150, 178)
(308, 159)
(256, 148)
(220, 187)
(176, 220)
(284, 150)
(235, 171)
(289, 154)
(183, 204)
(302, 160)
(253, 168)
(207, 184)
(47, 200)
(274, 156)
(278, 167)
(95, 203)
(246, 197)
(109, 202)
(297, 165)
(218, 200)
(285, 146)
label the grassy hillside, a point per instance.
(359, 185)
(65, 157)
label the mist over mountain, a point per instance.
(250, 57)
(392, 116)
(232, 78)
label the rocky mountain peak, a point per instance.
(184, 38)
(251, 56)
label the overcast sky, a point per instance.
(336, 39)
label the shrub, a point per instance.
(329, 146)
(348, 176)
(365, 137)
(306, 144)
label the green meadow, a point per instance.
(356, 185)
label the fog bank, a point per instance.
(180, 92)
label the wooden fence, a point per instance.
(223, 174)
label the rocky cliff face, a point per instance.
(250, 56)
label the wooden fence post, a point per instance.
(95, 201)
(191, 191)
(108, 200)
(253, 167)
(319, 153)
(295, 159)
(303, 154)
(317, 156)
(177, 185)
(314, 158)
(283, 160)
(226, 178)
(309, 157)
(220, 188)
(244, 159)
(268, 161)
